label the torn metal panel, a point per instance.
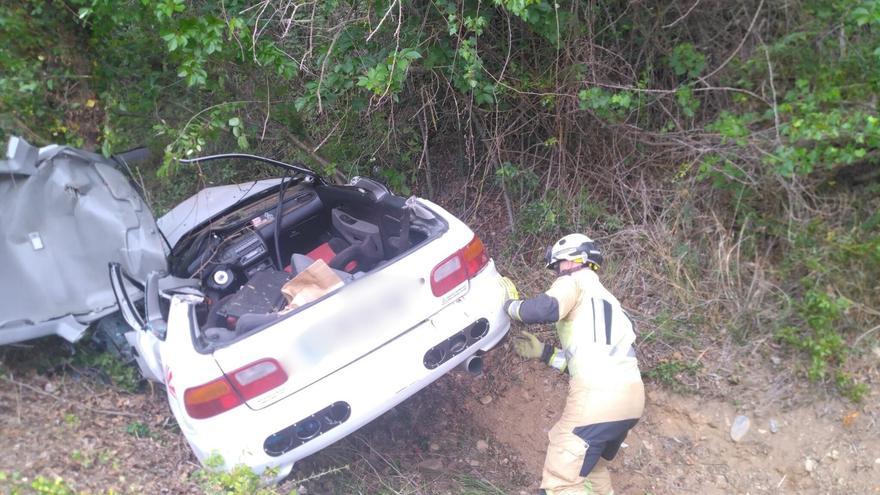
(64, 215)
(67, 327)
(21, 157)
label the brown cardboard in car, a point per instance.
(310, 284)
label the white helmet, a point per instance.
(574, 247)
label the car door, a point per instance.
(148, 324)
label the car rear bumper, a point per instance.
(369, 386)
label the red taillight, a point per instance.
(461, 266)
(258, 378)
(221, 395)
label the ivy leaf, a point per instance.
(452, 21)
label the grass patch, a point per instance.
(15, 484)
(671, 374)
(109, 368)
(469, 485)
(240, 480)
(138, 429)
(673, 330)
(836, 266)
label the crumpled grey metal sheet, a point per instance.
(64, 215)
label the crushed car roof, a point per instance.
(64, 215)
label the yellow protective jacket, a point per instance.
(596, 334)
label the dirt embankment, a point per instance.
(487, 432)
(683, 444)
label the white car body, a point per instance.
(370, 384)
(346, 358)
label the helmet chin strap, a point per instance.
(580, 266)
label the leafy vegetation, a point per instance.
(835, 267)
(121, 374)
(18, 485)
(211, 479)
(38, 486)
(673, 373)
(138, 429)
(240, 480)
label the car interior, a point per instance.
(245, 256)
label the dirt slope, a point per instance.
(683, 445)
(489, 430)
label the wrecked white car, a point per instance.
(281, 315)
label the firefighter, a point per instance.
(605, 396)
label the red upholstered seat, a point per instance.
(322, 252)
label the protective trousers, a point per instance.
(593, 425)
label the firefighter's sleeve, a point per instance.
(548, 307)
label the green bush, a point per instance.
(821, 338)
(835, 267)
(121, 374)
(214, 479)
(670, 373)
(17, 485)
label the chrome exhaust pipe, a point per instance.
(473, 365)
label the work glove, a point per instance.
(527, 345)
(509, 288)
